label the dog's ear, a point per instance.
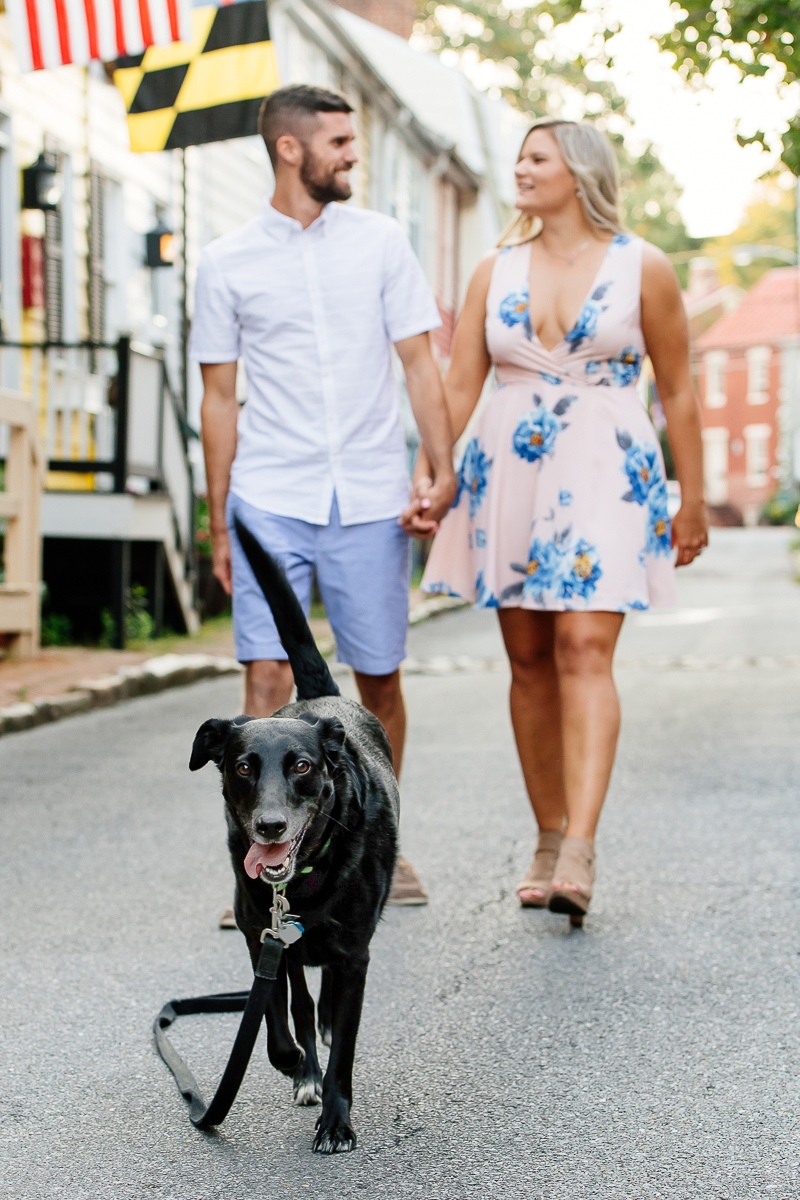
(331, 735)
(209, 742)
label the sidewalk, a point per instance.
(60, 669)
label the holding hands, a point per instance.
(429, 503)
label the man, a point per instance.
(311, 295)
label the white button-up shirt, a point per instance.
(313, 313)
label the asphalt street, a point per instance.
(652, 1054)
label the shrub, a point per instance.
(780, 509)
(56, 630)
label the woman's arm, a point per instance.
(666, 336)
(469, 366)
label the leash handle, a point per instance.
(253, 1004)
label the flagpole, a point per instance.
(184, 296)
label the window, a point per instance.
(715, 464)
(758, 360)
(716, 363)
(756, 454)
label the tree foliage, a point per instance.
(754, 37)
(530, 76)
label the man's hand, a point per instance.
(428, 505)
(221, 552)
(690, 532)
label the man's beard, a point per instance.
(323, 188)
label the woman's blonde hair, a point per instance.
(590, 157)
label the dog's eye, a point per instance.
(302, 767)
(243, 768)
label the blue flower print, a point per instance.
(565, 498)
(480, 538)
(593, 366)
(585, 327)
(637, 606)
(566, 567)
(582, 571)
(484, 598)
(514, 309)
(440, 589)
(620, 239)
(537, 430)
(641, 466)
(541, 573)
(474, 475)
(625, 367)
(548, 378)
(659, 537)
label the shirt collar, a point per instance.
(282, 228)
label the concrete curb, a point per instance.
(155, 675)
(434, 607)
(144, 679)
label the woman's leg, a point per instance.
(584, 649)
(536, 710)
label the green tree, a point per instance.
(536, 81)
(755, 38)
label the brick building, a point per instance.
(747, 366)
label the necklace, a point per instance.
(570, 258)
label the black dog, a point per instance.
(311, 802)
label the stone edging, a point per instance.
(154, 675)
(143, 679)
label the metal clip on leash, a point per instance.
(286, 929)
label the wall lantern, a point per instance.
(160, 246)
(42, 184)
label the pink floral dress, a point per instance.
(562, 500)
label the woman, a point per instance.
(561, 517)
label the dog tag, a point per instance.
(290, 932)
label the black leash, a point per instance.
(285, 930)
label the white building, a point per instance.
(434, 153)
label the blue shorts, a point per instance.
(363, 573)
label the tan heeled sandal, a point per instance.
(540, 872)
(571, 890)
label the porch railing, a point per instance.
(109, 422)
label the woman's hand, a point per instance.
(690, 531)
(429, 503)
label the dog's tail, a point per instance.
(311, 674)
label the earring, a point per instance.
(579, 193)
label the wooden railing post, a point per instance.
(19, 504)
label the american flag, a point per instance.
(52, 33)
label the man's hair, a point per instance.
(288, 108)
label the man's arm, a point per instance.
(425, 392)
(218, 417)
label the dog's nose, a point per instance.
(274, 830)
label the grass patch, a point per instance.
(211, 631)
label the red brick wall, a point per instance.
(737, 414)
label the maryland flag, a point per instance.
(205, 90)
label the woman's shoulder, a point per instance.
(654, 257)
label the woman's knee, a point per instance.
(583, 652)
(529, 668)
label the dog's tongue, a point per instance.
(259, 856)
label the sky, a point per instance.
(694, 131)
